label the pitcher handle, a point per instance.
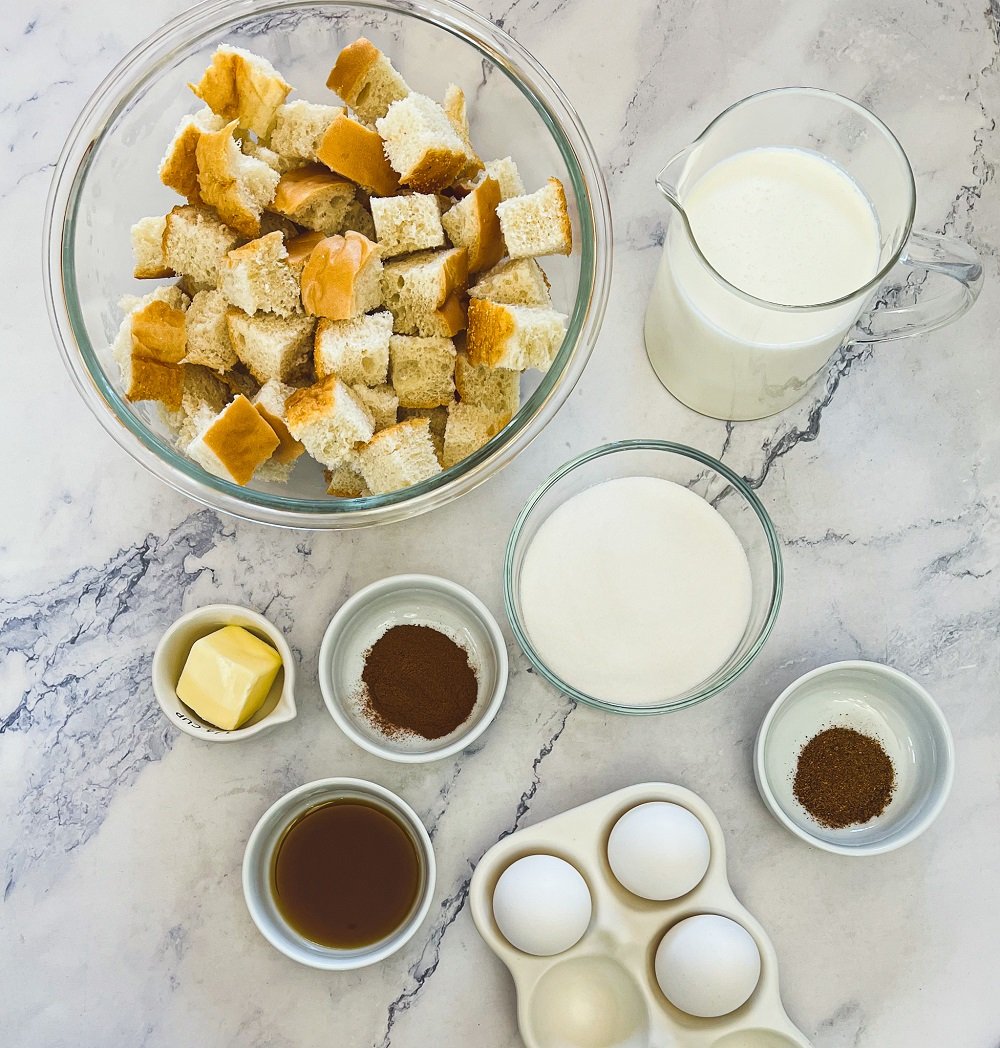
(945, 279)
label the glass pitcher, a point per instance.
(731, 355)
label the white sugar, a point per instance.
(635, 591)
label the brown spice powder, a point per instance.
(843, 778)
(418, 680)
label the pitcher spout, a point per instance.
(670, 180)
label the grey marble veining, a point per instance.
(122, 921)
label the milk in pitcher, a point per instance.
(786, 226)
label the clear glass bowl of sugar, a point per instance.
(638, 596)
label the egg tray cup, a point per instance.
(603, 992)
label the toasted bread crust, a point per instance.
(453, 315)
(241, 439)
(313, 402)
(454, 108)
(564, 223)
(490, 244)
(455, 274)
(159, 333)
(288, 449)
(152, 272)
(486, 247)
(351, 68)
(490, 326)
(154, 380)
(299, 187)
(354, 151)
(330, 275)
(437, 169)
(179, 169)
(301, 247)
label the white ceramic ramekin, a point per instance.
(259, 858)
(172, 652)
(875, 700)
(419, 600)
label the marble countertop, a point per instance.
(122, 921)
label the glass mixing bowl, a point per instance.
(106, 179)
(703, 475)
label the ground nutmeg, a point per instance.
(844, 778)
(418, 680)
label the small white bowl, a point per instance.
(423, 600)
(258, 860)
(875, 700)
(172, 652)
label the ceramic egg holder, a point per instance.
(603, 991)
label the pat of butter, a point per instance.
(227, 676)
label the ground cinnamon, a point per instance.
(844, 778)
(417, 679)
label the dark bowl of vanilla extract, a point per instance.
(339, 874)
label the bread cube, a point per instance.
(238, 186)
(233, 443)
(537, 224)
(507, 176)
(366, 80)
(438, 421)
(313, 197)
(194, 244)
(422, 370)
(329, 420)
(514, 337)
(398, 457)
(179, 167)
(356, 152)
(208, 342)
(242, 87)
(496, 389)
(469, 428)
(299, 128)
(421, 144)
(147, 249)
(257, 278)
(422, 283)
(404, 224)
(343, 481)
(342, 277)
(472, 223)
(269, 346)
(445, 322)
(514, 282)
(149, 348)
(355, 350)
(381, 401)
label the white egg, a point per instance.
(707, 965)
(659, 851)
(542, 905)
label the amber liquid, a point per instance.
(346, 874)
